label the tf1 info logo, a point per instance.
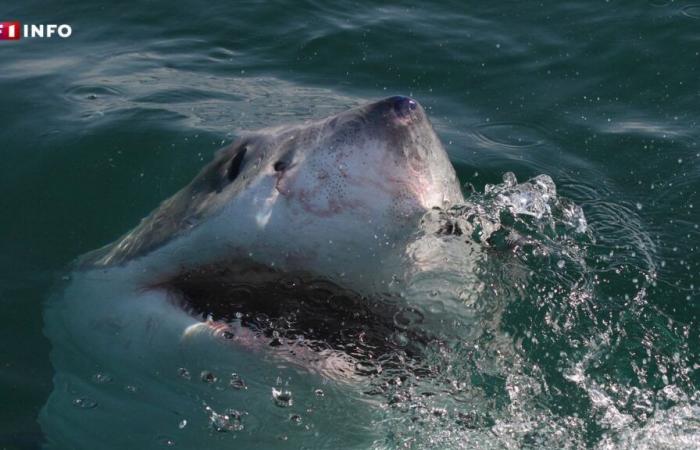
(13, 31)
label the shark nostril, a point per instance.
(403, 105)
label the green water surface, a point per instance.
(602, 96)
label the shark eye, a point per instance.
(280, 166)
(234, 167)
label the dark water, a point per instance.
(602, 96)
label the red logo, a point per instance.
(10, 31)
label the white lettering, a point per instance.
(65, 31)
(51, 29)
(42, 31)
(37, 31)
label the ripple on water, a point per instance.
(408, 317)
(692, 11)
(204, 102)
(510, 134)
(660, 3)
(92, 92)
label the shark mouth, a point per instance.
(297, 319)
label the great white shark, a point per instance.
(336, 199)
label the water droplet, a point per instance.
(439, 412)
(319, 392)
(275, 342)
(692, 11)
(166, 441)
(295, 419)
(561, 263)
(282, 398)
(182, 424)
(84, 403)
(509, 134)
(208, 377)
(509, 179)
(101, 378)
(130, 388)
(237, 382)
(639, 206)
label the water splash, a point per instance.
(548, 352)
(282, 397)
(229, 420)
